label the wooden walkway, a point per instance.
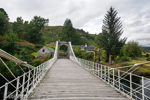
(68, 81)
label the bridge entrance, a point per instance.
(63, 50)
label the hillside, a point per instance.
(54, 33)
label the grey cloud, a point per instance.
(86, 14)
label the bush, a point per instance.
(36, 62)
(131, 49)
(83, 54)
(148, 58)
(121, 59)
(147, 55)
(103, 55)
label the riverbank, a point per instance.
(143, 70)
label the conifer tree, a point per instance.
(110, 38)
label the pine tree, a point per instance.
(110, 38)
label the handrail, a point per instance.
(115, 78)
(30, 79)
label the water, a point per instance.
(137, 89)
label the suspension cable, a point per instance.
(7, 80)
(7, 68)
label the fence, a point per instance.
(120, 80)
(22, 86)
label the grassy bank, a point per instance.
(143, 70)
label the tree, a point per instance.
(132, 49)
(69, 33)
(18, 27)
(4, 12)
(110, 38)
(3, 23)
(35, 26)
(10, 43)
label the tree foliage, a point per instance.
(110, 38)
(18, 27)
(35, 26)
(30, 31)
(4, 12)
(3, 23)
(132, 49)
(9, 46)
(69, 33)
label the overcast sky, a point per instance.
(86, 14)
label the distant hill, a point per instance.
(148, 48)
(54, 33)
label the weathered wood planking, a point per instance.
(68, 81)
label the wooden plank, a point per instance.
(68, 81)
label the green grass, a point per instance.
(34, 54)
(143, 69)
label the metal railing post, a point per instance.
(23, 81)
(37, 72)
(34, 78)
(108, 76)
(98, 70)
(93, 67)
(17, 87)
(131, 85)
(119, 79)
(5, 91)
(101, 71)
(143, 88)
(28, 82)
(88, 65)
(105, 73)
(113, 78)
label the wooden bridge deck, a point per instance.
(68, 81)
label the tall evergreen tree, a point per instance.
(69, 33)
(110, 38)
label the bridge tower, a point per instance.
(65, 43)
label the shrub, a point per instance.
(147, 55)
(36, 62)
(148, 58)
(121, 59)
(131, 49)
(103, 55)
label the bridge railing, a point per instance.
(26, 82)
(22, 86)
(122, 81)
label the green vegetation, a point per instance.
(142, 69)
(131, 49)
(110, 38)
(24, 38)
(83, 54)
(69, 33)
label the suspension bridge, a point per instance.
(72, 79)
